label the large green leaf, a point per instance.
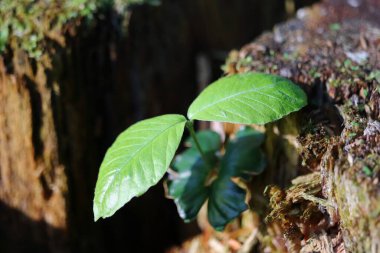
(242, 159)
(250, 98)
(187, 185)
(137, 160)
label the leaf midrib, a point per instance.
(232, 96)
(139, 150)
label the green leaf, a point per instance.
(191, 183)
(250, 98)
(137, 160)
(188, 184)
(208, 140)
(243, 158)
(226, 202)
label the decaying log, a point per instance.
(333, 51)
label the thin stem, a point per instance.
(190, 127)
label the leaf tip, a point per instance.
(96, 212)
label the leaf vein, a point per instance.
(234, 95)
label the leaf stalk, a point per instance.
(190, 127)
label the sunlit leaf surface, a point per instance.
(249, 98)
(137, 160)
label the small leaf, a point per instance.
(209, 141)
(188, 185)
(192, 182)
(226, 202)
(137, 160)
(243, 158)
(250, 98)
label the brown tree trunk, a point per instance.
(33, 181)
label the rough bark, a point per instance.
(33, 181)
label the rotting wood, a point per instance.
(332, 50)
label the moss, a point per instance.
(28, 24)
(356, 195)
(374, 75)
(335, 27)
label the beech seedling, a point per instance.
(142, 154)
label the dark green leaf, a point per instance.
(226, 202)
(243, 158)
(247, 99)
(188, 183)
(137, 160)
(209, 141)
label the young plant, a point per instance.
(141, 154)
